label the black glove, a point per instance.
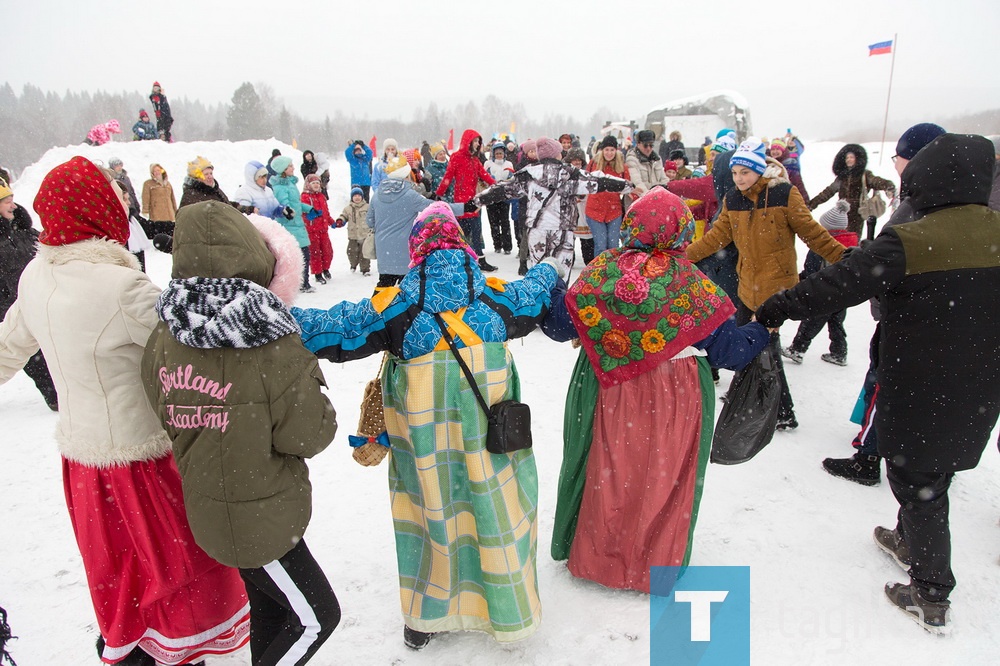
(359, 142)
(470, 207)
(288, 213)
(769, 315)
(164, 243)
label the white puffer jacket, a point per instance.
(90, 310)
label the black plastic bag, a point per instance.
(746, 424)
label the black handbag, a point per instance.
(508, 422)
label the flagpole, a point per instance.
(885, 122)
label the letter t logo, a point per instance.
(701, 611)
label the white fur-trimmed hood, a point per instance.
(92, 250)
(775, 172)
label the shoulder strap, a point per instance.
(465, 368)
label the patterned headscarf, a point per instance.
(436, 229)
(638, 306)
(76, 202)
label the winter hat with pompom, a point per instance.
(358, 191)
(548, 149)
(751, 155)
(398, 168)
(608, 142)
(835, 219)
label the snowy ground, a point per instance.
(816, 576)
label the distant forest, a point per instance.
(34, 121)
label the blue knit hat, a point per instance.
(280, 163)
(916, 138)
(725, 143)
(750, 154)
(724, 131)
(357, 190)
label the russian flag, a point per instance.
(880, 48)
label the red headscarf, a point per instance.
(638, 306)
(76, 202)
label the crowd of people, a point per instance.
(188, 413)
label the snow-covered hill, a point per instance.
(816, 576)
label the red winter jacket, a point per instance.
(605, 206)
(318, 202)
(466, 170)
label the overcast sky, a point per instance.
(802, 64)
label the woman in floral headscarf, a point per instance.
(640, 410)
(465, 519)
(158, 597)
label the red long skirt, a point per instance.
(151, 585)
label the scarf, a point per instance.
(76, 202)
(436, 229)
(639, 305)
(211, 313)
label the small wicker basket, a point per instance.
(371, 423)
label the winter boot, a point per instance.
(892, 543)
(485, 266)
(859, 468)
(522, 269)
(306, 289)
(931, 615)
(835, 359)
(137, 657)
(319, 278)
(792, 354)
(415, 640)
(327, 275)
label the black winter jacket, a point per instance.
(936, 279)
(17, 247)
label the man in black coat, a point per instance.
(936, 279)
(17, 248)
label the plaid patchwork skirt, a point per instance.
(465, 519)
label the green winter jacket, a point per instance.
(242, 420)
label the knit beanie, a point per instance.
(724, 143)
(358, 191)
(143, 114)
(724, 131)
(260, 172)
(779, 143)
(835, 219)
(197, 166)
(751, 155)
(436, 148)
(115, 161)
(530, 145)
(5, 190)
(576, 154)
(548, 149)
(916, 138)
(389, 142)
(398, 168)
(312, 178)
(608, 142)
(280, 163)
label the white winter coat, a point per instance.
(90, 310)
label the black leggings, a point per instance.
(293, 609)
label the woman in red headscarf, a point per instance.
(83, 300)
(640, 411)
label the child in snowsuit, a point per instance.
(241, 401)
(353, 216)
(835, 221)
(318, 223)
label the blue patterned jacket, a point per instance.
(447, 280)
